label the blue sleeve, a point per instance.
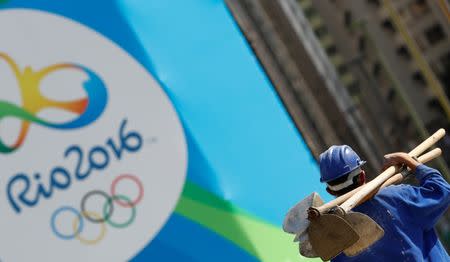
(426, 203)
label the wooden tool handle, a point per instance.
(398, 178)
(339, 200)
(422, 159)
(380, 179)
(393, 180)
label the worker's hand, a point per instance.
(400, 158)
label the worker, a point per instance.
(406, 213)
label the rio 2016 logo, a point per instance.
(88, 109)
(107, 211)
(86, 113)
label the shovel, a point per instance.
(305, 247)
(334, 232)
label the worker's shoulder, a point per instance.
(393, 192)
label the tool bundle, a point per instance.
(326, 229)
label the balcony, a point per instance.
(326, 41)
(337, 60)
(305, 4)
(316, 22)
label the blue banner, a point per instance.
(246, 161)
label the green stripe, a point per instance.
(199, 194)
(260, 239)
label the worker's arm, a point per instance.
(429, 200)
(422, 205)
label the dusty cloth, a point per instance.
(408, 215)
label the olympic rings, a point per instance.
(88, 241)
(94, 217)
(126, 223)
(86, 214)
(53, 224)
(134, 179)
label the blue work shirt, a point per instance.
(408, 215)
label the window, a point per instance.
(406, 121)
(387, 24)
(354, 89)
(445, 74)
(374, 2)
(321, 31)
(445, 61)
(433, 104)
(391, 94)
(342, 69)
(418, 77)
(310, 12)
(361, 44)
(348, 18)
(445, 79)
(434, 34)
(403, 52)
(331, 50)
(418, 8)
(376, 69)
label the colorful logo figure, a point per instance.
(88, 109)
(100, 217)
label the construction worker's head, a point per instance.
(340, 168)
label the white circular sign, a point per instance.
(93, 156)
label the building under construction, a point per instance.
(356, 72)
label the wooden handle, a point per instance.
(398, 178)
(380, 179)
(393, 180)
(339, 200)
(438, 135)
(422, 159)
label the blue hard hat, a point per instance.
(338, 161)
